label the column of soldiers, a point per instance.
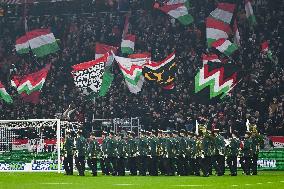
(161, 153)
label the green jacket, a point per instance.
(191, 149)
(153, 144)
(207, 145)
(121, 148)
(104, 146)
(257, 142)
(143, 147)
(68, 146)
(131, 147)
(234, 146)
(182, 146)
(247, 149)
(111, 147)
(94, 150)
(169, 147)
(219, 145)
(81, 146)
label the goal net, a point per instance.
(30, 145)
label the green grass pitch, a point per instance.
(265, 179)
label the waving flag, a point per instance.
(88, 76)
(210, 58)
(132, 72)
(178, 10)
(162, 72)
(249, 12)
(102, 49)
(266, 51)
(127, 44)
(29, 86)
(237, 37)
(214, 81)
(4, 95)
(218, 28)
(41, 41)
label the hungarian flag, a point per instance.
(178, 10)
(29, 86)
(266, 51)
(4, 95)
(41, 41)
(214, 81)
(218, 28)
(102, 49)
(162, 72)
(249, 12)
(131, 69)
(88, 76)
(140, 55)
(127, 44)
(210, 58)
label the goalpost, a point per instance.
(30, 145)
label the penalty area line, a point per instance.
(190, 185)
(55, 183)
(123, 184)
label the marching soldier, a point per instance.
(132, 151)
(111, 154)
(153, 159)
(247, 154)
(199, 154)
(103, 156)
(81, 145)
(219, 151)
(121, 151)
(233, 151)
(93, 152)
(68, 153)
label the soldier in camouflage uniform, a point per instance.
(175, 139)
(68, 153)
(81, 147)
(199, 154)
(93, 152)
(247, 154)
(111, 154)
(132, 151)
(153, 159)
(232, 153)
(219, 153)
(121, 151)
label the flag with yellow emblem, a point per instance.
(163, 72)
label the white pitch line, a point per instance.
(192, 185)
(282, 181)
(235, 185)
(56, 183)
(259, 183)
(123, 184)
(248, 184)
(269, 182)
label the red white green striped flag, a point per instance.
(225, 46)
(140, 55)
(249, 12)
(41, 41)
(178, 9)
(218, 28)
(132, 71)
(102, 49)
(127, 44)
(210, 58)
(4, 94)
(266, 51)
(29, 86)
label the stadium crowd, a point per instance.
(258, 97)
